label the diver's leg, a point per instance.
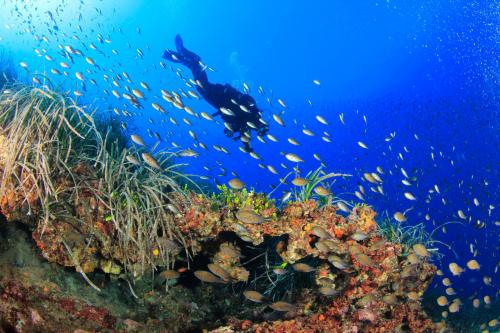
(200, 76)
(190, 60)
(171, 56)
(187, 56)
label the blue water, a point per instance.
(428, 69)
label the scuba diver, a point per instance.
(239, 111)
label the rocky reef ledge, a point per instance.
(103, 236)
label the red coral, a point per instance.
(98, 315)
(67, 305)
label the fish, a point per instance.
(409, 196)
(151, 161)
(362, 145)
(208, 277)
(405, 174)
(413, 296)
(446, 282)
(132, 159)
(170, 274)
(299, 181)
(272, 138)
(188, 153)
(343, 207)
(249, 216)
(137, 93)
(254, 296)
(136, 138)
(450, 291)
(321, 232)
(454, 307)
(206, 116)
(473, 265)
(328, 291)
(279, 271)
(293, 158)
(307, 132)
(420, 250)
(219, 271)
(272, 169)
(442, 301)
(369, 177)
(236, 184)
(321, 119)
(455, 269)
(359, 195)
(226, 111)
(476, 303)
(400, 217)
(338, 262)
(230, 250)
(359, 236)
(364, 260)
(341, 117)
(322, 191)
(278, 120)
(282, 306)
(303, 268)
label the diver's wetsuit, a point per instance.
(220, 96)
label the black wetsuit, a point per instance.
(221, 96)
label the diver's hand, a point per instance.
(263, 130)
(228, 133)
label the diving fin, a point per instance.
(184, 55)
(179, 45)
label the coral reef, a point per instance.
(90, 208)
(374, 294)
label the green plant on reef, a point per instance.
(112, 125)
(236, 199)
(408, 235)
(142, 204)
(314, 178)
(51, 137)
(47, 134)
